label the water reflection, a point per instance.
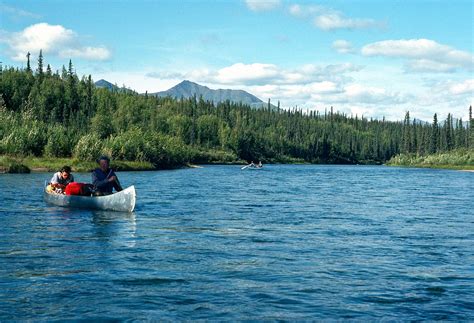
(115, 227)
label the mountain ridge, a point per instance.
(188, 89)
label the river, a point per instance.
(286, 242)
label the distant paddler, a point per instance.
(253, 166)
(104, 178)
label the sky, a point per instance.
(365, 57)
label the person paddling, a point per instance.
(104, 178)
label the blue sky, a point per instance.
(377, 58)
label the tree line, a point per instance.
(58, 114)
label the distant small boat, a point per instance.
(251, 166)
(123, 201)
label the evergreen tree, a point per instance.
(39, 70)
(415, 139)
(28, 66)
(407, 133)
(434, 135)
(471, 129)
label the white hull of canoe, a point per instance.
(123, 201)
(251, 168)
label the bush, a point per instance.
(59, 143)
(136, 145)
(26, 139)
(212, 156)
(11, 165)
(89, 147)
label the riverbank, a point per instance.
(461, 159)
(10, 164)
(44, 164)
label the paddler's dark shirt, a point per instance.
(101, 180)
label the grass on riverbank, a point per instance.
(44, 164)
(460, 159)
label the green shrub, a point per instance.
(212, 156)
(12, 165)
(25, 139)
(89, 147)
(59, 143)
(137, 145)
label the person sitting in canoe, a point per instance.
(61, 179)
(104, 178)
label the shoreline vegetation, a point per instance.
(460, 159)
(12, 165)
(49, 119)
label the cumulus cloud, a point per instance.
(262, 5)
(466, 87)
(52, 39)
(328, 19)
(304, 11)
(261, 74)
(369, 94)
(424, 55)
(338, 21)
(309, 86)
(247, 73)
(342, 46)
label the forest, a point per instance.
(59, 114)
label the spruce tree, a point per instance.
(449, 132)
(471, 129)
(39, 70)
(414, 142)
(28, 66)
(434, 135)
(406, 134)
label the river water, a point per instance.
(285, 242)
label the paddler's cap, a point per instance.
(103, 158)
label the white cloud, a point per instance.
(262, 5)
(429, 66)
(369, 94)
(425, 55)
(304, 11)
(372, 91)
(53, 40)
(333, 21)
(466, 87)
(328, 19)
(247, 73)
(90, 53)
(342, 46)
(261, 74)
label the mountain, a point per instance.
(188, 89)
(105, 84)
(112, 87)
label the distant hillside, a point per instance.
(187, 89)
(105, 84)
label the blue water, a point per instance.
(285, 242)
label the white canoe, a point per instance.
(251, 167)
(123, 201)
